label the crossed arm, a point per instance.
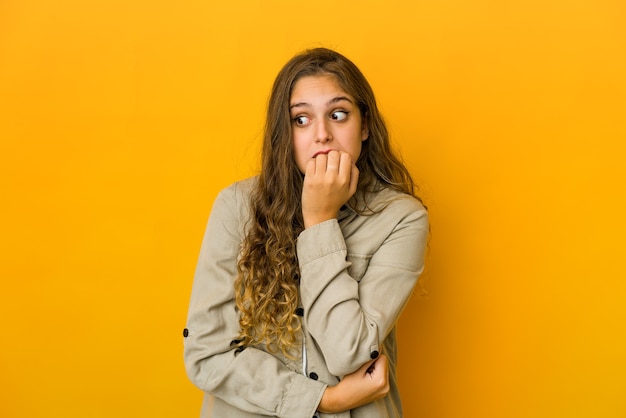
(241, 379)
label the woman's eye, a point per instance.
(301, 120)
(339, 115)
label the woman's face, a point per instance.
(324, 118)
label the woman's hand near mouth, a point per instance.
(330, 180)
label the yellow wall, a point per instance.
(120, 120)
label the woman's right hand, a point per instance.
(330, 181)
(367, 384)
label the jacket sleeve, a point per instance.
(350, 318)
(251, 380)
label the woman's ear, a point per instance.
(365, 131)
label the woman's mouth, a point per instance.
(326, 151)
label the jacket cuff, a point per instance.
(320, 240)
(303, 391)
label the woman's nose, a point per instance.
(322, 133)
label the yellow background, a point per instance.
(120, 121)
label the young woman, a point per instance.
(305, 268)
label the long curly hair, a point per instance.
(266, 287)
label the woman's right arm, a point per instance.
(251, 380)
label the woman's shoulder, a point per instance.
(235, 198)
(389, 198)
(241, 187)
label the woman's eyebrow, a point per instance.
(339, 99)
(330, 102)
(299, 104)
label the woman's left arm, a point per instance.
(349, 318)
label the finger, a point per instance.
(382, 361)
(320, 163)
(309, 170)
(378, 365)
(382, 369)
(345, 164)
(333, 161)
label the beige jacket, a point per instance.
(357, 273)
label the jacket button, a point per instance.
(313, 376)
(374, 354)
(300, 312)
(185, 332)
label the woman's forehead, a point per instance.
(317, 86)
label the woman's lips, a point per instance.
(326, 151)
